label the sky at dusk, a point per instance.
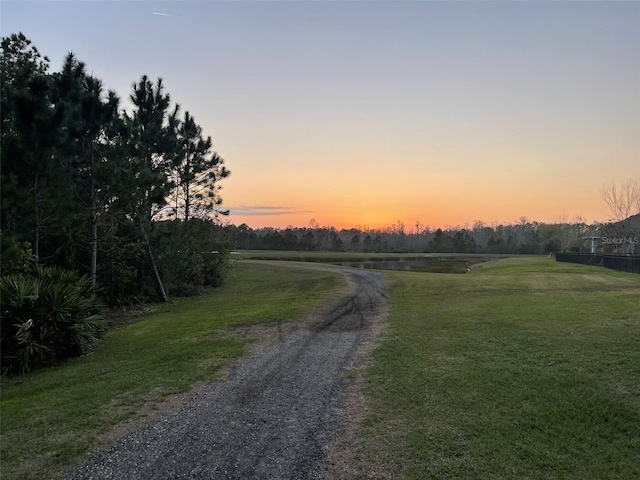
(368, 113)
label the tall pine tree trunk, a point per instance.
(37, 220)
(94, 225)
(161, 291)
(186, 207)
(94, 245)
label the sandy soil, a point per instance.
(287, 411)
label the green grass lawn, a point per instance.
(526, 368)
(51, 418)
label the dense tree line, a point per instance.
(85, 182)
(522, 237)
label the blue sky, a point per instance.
(365, 113)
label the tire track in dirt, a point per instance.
(274, 416)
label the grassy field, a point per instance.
(524, 368)
(51, 418)
(527, 368)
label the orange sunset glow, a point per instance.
(447, 191)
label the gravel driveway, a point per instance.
(274, 416)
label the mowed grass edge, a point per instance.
(51, 418)
(526, 369)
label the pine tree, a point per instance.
(152, 143)
(196, 171)
(88, 154)
(30, 132)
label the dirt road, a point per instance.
(273, 417)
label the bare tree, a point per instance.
(571, 233)
(623, 199)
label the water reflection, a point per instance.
(405, 265)
(433, 265)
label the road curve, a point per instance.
(272, 417)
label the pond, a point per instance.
(435, 264)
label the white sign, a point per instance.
(620, 240)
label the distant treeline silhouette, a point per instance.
(522, 237)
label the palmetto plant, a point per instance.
(47, 316)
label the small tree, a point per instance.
(623, 200)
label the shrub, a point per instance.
(16, 257)
(191, 259)
(120, 272)
(47, 316)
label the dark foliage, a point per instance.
(523, 237)
(192, 258)
(89, 188)
(48, 315)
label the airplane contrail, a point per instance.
(161, 14)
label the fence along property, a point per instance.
(623, 263)
(615, 246)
